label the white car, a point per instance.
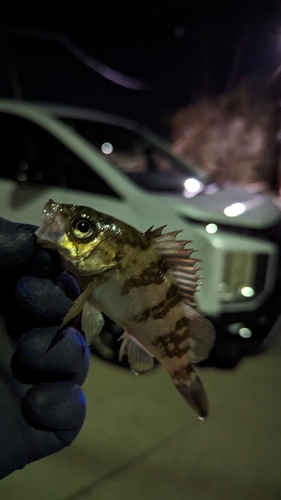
(72, 155)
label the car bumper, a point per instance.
(261, 327)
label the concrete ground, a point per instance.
(141, 441)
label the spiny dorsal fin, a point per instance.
(178, 258)
(155, 232)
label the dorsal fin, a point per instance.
(155, 232)
(178, 258)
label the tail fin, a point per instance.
(191, 388)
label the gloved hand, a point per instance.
(42, 405)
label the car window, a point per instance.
(143, 161)
(31, 155)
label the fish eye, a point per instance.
(82, 228)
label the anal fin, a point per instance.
(139, 358)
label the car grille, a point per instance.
(271, 234)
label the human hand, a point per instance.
(42, 404)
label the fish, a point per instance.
(144, 282)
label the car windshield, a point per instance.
(144, 162)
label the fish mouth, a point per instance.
(53, 226)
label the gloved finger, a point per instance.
(38, 302)
(68, 284)
(68, 359)
(26, 444)
(41, 299)
(20, 256)
(19, 253)
(59, 407)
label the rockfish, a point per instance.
(145, 282)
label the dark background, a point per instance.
(147, 59)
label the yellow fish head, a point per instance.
(84, 238)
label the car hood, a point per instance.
(231, 205)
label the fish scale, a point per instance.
(145, 282)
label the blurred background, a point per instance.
(204, 76)
(182, 68)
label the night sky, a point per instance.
(163, 54)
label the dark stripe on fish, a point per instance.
(131, 239)
(180, 375)
(195, 395)
(190, 387)
(161, 310)
(170, 343)
(151, 275)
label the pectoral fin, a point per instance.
(78, 304)
(139, 358)
(92, 322)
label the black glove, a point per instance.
(42, 405)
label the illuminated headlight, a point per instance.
(192, 187)
(211, 228)
(244, 276)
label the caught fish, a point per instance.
(144, 282)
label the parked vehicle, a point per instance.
(90, 158)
